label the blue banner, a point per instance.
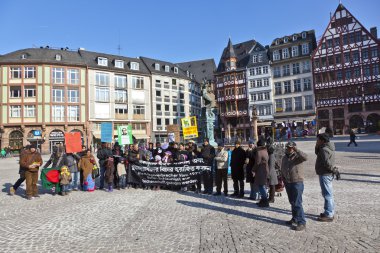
(106, 132)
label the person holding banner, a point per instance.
(208, 154)
(103, 154)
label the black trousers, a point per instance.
(20, 180)
(207, 181)
(238, 186)
(221, 176)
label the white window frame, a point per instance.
(276, 55)
(102, 61)
(294, 37)
(73, 76)
(254, 58)
(266, 82)
(29, 88)
(286, 39)
(73, 113)
(102, 94)
(16, 72)
(252, 71)
(135, 65)
(120, 81)
(29, 111)
(58, 75)
(265, 69)
(58, 113)
(157, 67)
(121, 96)
(102, 79)
(119, 64)
(175, 70)
(58, 57)
(138, 82)
(305, 49)
(15, 111)
(139, 109)
(15, 92)
(71, 98)
(29, 72)
(285, 53)
(305, 66)
(294, 51)
(58, 93)
(167, 68)
(303, 35)
(260, 58)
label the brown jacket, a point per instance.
(86, 165)
(261, 168)
(292, 168)
(64, 179)
(29, 158)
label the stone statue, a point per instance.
(254, 111)
(209, 102)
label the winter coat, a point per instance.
(261, 167)
(273, 180)
(86, 165)
(71, 161)
(183, 155)
(133, 158)
(325, 158)
(292, 168)
(221, 159)
(110, 168)
(208, 154)
(237, 163)
(102, 155)
(64, 179)
(29, 158)
(251, 155)
(56, 160)
(22, 153)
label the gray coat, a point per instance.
(273, 180)
(261, 167)
(71, 162)
(292, 170)
(325, 159)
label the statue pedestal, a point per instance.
(254, 128)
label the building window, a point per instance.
(73, 113)
(175, 70)
(279, 106)
(157, 66)
(294, 37)
(277, 72)
(252, 72)
(135, 66)
(294, 51)
(73, 96)
(258, 71)
(15, 91)
(102, 79)
(15, 72)
(158, 93)
(286, 70)
(159, 122)
(120, 82)
(29, 111)
(102, 61)
(287, 87)
(297, 85)
(73, 76)
(286, 40)
(58, 57)
(119, 64)
(288, 105)
(174, 108)
(298, 103)
(260, 57)
(29, 92)
(305, 66)
(138, 109)
(137, 82)
(306, 84)
(259, 83)
(58, 75)
(339, 75)
(357, 72)
(29, 72)
(308, 102)
(158, 107)
(355, 55)
(120, 96)
(366, 71)
(167, 68)
(265, 69)
(58, 95)
(15, 111)
(285, 53)
(102, 94)
(167, 121)
(375, 69)
(347, 57)
(121, 110)
(58, 112)
(266, 82)
(254, 58)
(278, 88)
(305, 49)
(167, 108)
(374, 52)
(296, 68)
(364, 54)
(348, 74)
(303, 35)
(276, 55)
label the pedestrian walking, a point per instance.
(324, 164)
(32, 161)
(221, 159)
(352, 138)
(292, 171)
(21, 171)
(261, 171)
(237, 169)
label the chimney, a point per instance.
(373, 31)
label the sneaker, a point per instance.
(299, 227)
(325, 219)
(291, 222)
(12, 191)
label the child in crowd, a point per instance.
(64, 180)
(121, 173)
(109, 173)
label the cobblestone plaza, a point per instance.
(170, 221)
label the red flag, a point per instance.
(73, 142)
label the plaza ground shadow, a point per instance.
(363, 147)
(243, 203)
(359, 174)
(21, 191)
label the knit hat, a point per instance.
(290, 144)
(324, 137)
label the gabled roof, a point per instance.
(91, 60)
(43, 56)
(241, 51)
(257, 50)
(230, 52)
(151, 63)
(202, 69)
(310, 35)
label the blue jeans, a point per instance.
(64, 188)
(122, 181)
(294, 191)
(102, 174)
(327, 193)
(75, 181)
(254, 194)
(263, 192)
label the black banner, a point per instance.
(170, 174)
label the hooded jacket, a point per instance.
(325, 159)
(292, 168)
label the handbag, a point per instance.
(280, 186)
(95, 172)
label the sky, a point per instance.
(170, 30)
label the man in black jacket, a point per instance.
(237, 170)
(103, 154)
(208, 154)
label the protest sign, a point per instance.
(124, 135)
(106, 132)
(73, 142)
(189, 127)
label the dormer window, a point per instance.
(254, 58)
(135, 66)
(175, 70)
(119, 64)
(294, 37)
(58, 57)
(157, 66)
(23, 56)
(277, 42)
(102, 61)
(286, 40)
(187, 73)
(167, 68)
(304, 35)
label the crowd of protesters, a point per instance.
(257, 165)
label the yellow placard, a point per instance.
(189, 127)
